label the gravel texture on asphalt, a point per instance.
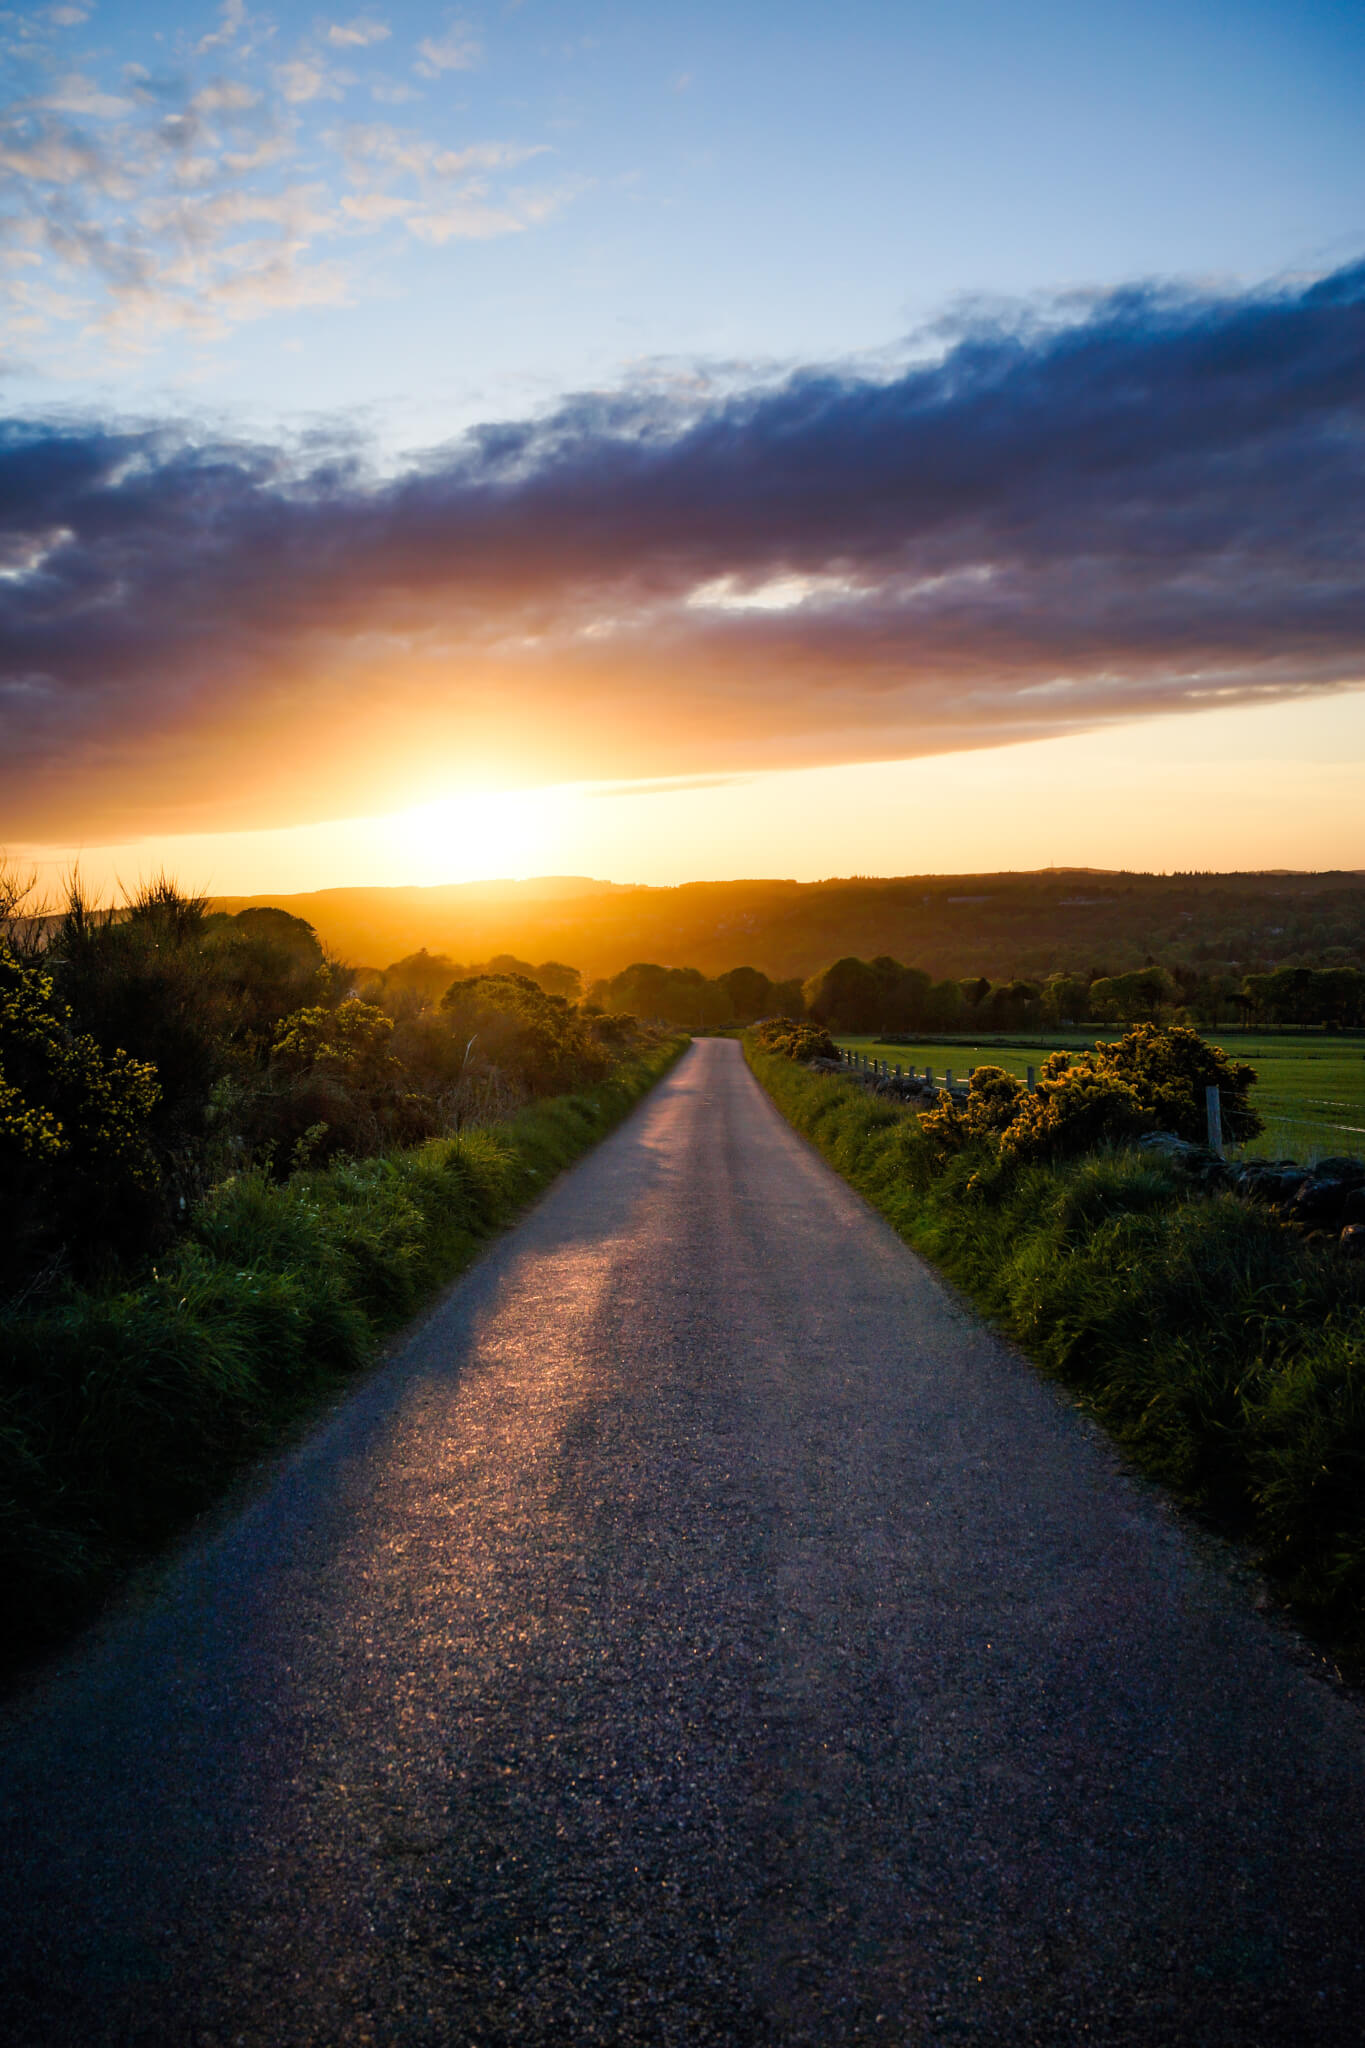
(702, 1631)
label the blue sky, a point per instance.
(405, 404)
(420, 217)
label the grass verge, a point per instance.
(1223, 1351)
(125, 1411)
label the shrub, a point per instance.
(76, 1163)
(1075, 1109)
(1151, 1079)
(507, 1021)
(993, 1097)
(1169, 1071)
(797, 1041)
(350, 1042)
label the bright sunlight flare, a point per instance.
(475, 834)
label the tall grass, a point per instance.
(124, 1410)
(1225, 1352)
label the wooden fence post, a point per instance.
(1213, 1102)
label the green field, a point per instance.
(1311, 1091)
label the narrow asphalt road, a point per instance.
(703, 1632)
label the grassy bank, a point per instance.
(1224, 1352)
(127, 1409)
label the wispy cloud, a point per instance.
(358, 34)
(129, 191)
(447, 196)
(232, 20)
(1142, 504)
(76, 95)
(306, 78)
(459, 49)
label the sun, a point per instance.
(474, 835)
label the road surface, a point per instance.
(702, 1632)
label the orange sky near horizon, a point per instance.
(1280, 786)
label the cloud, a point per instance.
(225, 96)
(77, 95)
(306, 78)
(232, 19)
(357, 34)
(465, 220)
(457, 50)
(131, 201)
(450, 202)
(1143, 504)
(374, 152)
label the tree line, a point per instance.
(884, 995)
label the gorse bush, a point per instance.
(350, 1041)
(796, 1041)
(76, 1161)
(993, 1100)
(1150, 1079)
(1169, 1070)
(1077, 1107)
(1225, 1352)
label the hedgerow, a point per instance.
(126, 1407)
(1225, 1352)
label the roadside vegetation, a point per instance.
(1223, 1348)
(1310, 1091)
(226, 1176)
(1313, 1084)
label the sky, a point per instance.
(663, 442)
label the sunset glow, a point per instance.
(469, 837)
(529, 458)
(1276, 787)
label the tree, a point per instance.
(1066, 999)
(750, 993)
(424, 975)
(558, 980)
(848, 996)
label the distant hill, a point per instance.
(996, 924)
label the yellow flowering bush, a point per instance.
(73, 1118)
(351, 1041)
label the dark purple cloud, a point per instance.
(1155, 504)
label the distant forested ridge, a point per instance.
(1005, 927)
